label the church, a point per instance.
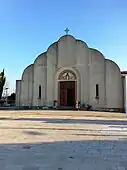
(70, 71)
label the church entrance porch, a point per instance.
(67, 93)
(67, 88)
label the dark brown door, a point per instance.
(67, 93)
(63, 97)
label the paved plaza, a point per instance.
(62, 140)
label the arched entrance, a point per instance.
(67, 88)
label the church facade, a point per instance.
(68, 71)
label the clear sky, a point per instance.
(28, 27)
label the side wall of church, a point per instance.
(27, 86)
(124, 91)
(114, 91)
(97, 77)
(40, 77)
(52, 60)
(18, 92)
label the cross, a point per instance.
(66, 30)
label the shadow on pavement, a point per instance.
(33, 133)
(72, 121)
(65, 155)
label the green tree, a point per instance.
(2, 82)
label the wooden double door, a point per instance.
(67, 93)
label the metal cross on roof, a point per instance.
(66, 30)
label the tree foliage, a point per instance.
(11, 98)
(2, 82)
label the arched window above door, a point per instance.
(67, 75)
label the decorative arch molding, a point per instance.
(65, 69)
(67, 75)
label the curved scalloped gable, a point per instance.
(73, 57)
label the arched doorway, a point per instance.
(67, 88)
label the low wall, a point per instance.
(121, 110)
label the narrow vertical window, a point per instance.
(40, 92)
(97, 90)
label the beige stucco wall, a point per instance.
(89, 66)
(124, 83)
(114, 91)
(40, 78)
(82, 65)
(97, 76)
(66, 51)
(52, 60)
(27, 86)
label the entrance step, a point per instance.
(66, 108)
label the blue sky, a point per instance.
(28, 27)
